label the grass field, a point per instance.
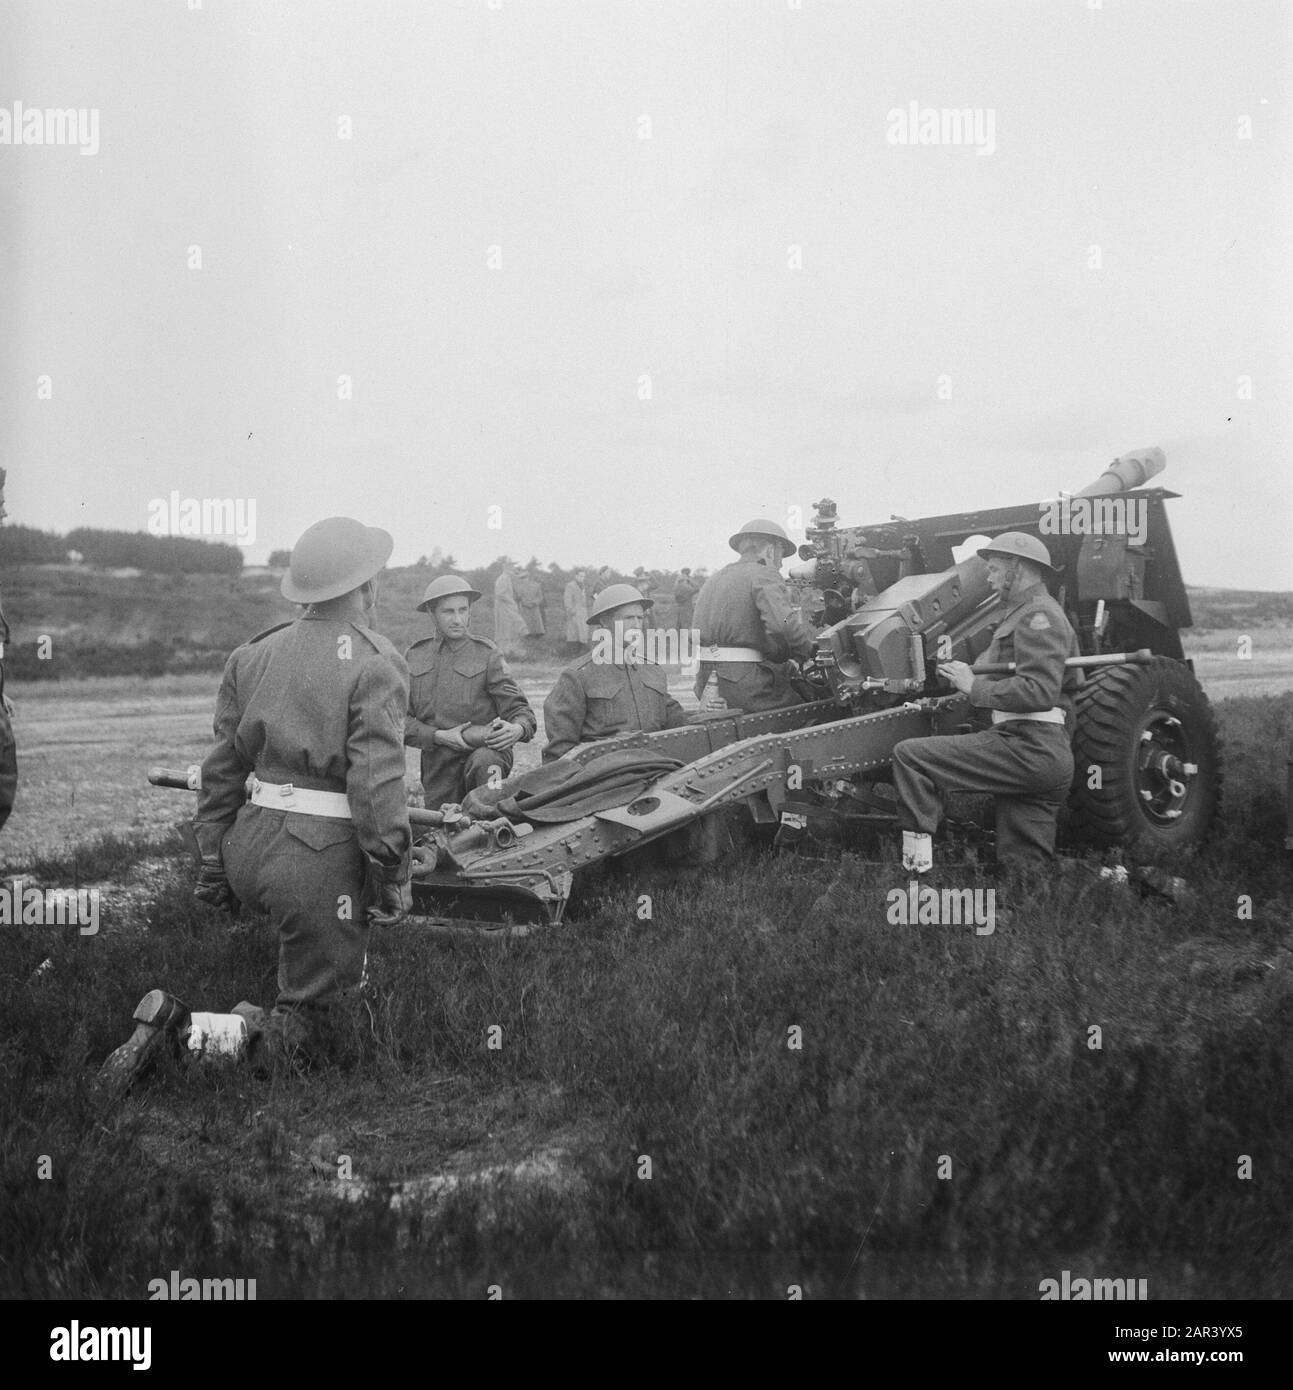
(438, 1165)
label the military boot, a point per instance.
(160, 1021)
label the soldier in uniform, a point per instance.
(1024, 759)
(465, 709)
(509, 626)
(610, 690)
(529, 596)
(575, 602)
(684, 595)
(749, 624)
(8, 754)
(314, 710)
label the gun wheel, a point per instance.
(1147, 736)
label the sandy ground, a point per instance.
(84, 747)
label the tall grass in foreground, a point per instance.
(922, 1048)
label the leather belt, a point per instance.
(731, 654)
(1042, 716)
(286, 797)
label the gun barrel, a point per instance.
(1126, 472)
(1137, 658)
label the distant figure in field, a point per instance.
(529, 595)
(509, 626)
(575, 602)
(684, 595)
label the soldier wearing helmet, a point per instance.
(465, 709)
(749, 624)
(1024, 759)
(313, 710)
(610, 690)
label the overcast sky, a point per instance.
(644, 361)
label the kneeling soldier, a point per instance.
(1024, 759)
(596, 697)
(315, 708)
(465, 709)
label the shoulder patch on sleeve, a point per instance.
(1039, 622)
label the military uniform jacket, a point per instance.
(746, 604)
(319, 702)
(1035, 634)
(593, 700)
(462, 682)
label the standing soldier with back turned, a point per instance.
(749, 624)
(1024, 760)
(315, 710)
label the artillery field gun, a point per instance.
(891, 601)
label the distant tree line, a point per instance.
(119, 550)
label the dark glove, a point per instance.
(213, 885)
(394, 901)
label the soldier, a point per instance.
(749, 624)
(509, 626)
(575, 602)
(1024, 759)
(610, 690)
(8, 754)
(529, 596)
(465, 709)
(684, 595)
(601, 580)
(315, 709)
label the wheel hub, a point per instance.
(1164, 768)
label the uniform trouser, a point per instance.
(8, 767)
(307, 874)
(757, 685)
(1026, 765)
(448, 775)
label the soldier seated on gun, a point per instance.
(315, 709)
(465, 709)
(1024, 760)
(611, 690)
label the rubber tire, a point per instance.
(1113, 707)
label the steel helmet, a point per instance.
(769, 530)
(1019, 545)
(617, 596)
(333, 557)
(442, 588)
